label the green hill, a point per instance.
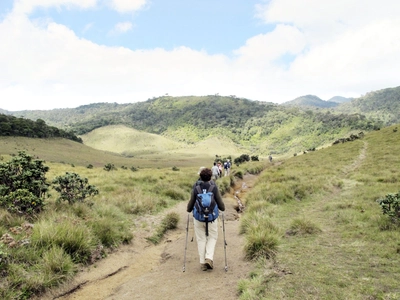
(383, 105)
(310, 101)
(255, 127)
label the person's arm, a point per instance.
(218, 199)
(191, 201)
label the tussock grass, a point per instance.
(169, 222)
(303, 226)
(261, 243)
(67, 232)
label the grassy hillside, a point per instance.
(380, 105)
(316, 219)
(77, 154)
(128, 141)
(133, 143)
(247, 124)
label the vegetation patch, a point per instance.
(169, 222)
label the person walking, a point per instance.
(215, 171)
(227, 167)
(205, 243)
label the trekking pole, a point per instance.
(225, 244)
(187, 231)
(192, 231)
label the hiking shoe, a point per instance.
(209, 263)
(203, 267)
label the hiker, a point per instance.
(219, 169)
(227, 167)
(206, 244)
(215, 171)
(270, 158)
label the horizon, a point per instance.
(69, 53)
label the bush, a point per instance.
(109, 167)
(23, 202)
(23, 184)
(73, 188)
(391, 205)
(241, 159)
(254, 158)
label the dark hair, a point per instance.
(205, 174)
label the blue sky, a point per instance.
(66, 53)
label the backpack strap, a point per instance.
(198, 189)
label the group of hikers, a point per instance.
(205, 203)
(218, 169)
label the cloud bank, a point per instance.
(344, 48)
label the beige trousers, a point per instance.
(206, 244)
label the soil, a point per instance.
(142, 270)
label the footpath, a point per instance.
(142, 270)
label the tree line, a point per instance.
(13, 126)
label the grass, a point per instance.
(170, 221)
(65, 237)
(312, 225)
(335, 243)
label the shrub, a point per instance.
(23, 202)
(23, 184)
(391, 205)
(254, 158)
(109, 167)
(73, 188)
(241, 159)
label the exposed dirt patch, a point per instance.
(144, 271)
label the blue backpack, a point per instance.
(205, 208)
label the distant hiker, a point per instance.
(205, 243)
(215, 171)
(227, 167)
(270, 158)
(219, 169)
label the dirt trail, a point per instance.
(144, 271)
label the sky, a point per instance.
(67, 53)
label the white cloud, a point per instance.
(122, 27)
(26, 6)
(123, 6)
(336, 48)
